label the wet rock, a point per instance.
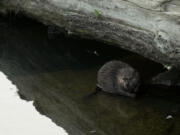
(168, 78)
(147, 27)
(119, 78)
(169, 117)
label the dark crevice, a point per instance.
(51, 40)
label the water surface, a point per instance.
(19, 117)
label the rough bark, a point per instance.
(148, 27)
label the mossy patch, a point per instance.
(97, 13)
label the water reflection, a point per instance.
(60, 78)
(19, 117)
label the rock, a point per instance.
(168, 78)
(148, 27)
(169, 117)
(119, 78)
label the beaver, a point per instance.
(119, 78)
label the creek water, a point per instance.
(48, 81)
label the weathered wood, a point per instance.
(148, 27)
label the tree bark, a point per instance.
(148, 27)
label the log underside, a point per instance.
(150, 28)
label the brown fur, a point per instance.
(118, 77)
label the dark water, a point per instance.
(58, 74)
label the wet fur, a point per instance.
(111, 78)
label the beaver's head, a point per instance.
(128, 80)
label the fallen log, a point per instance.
(148, 27)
